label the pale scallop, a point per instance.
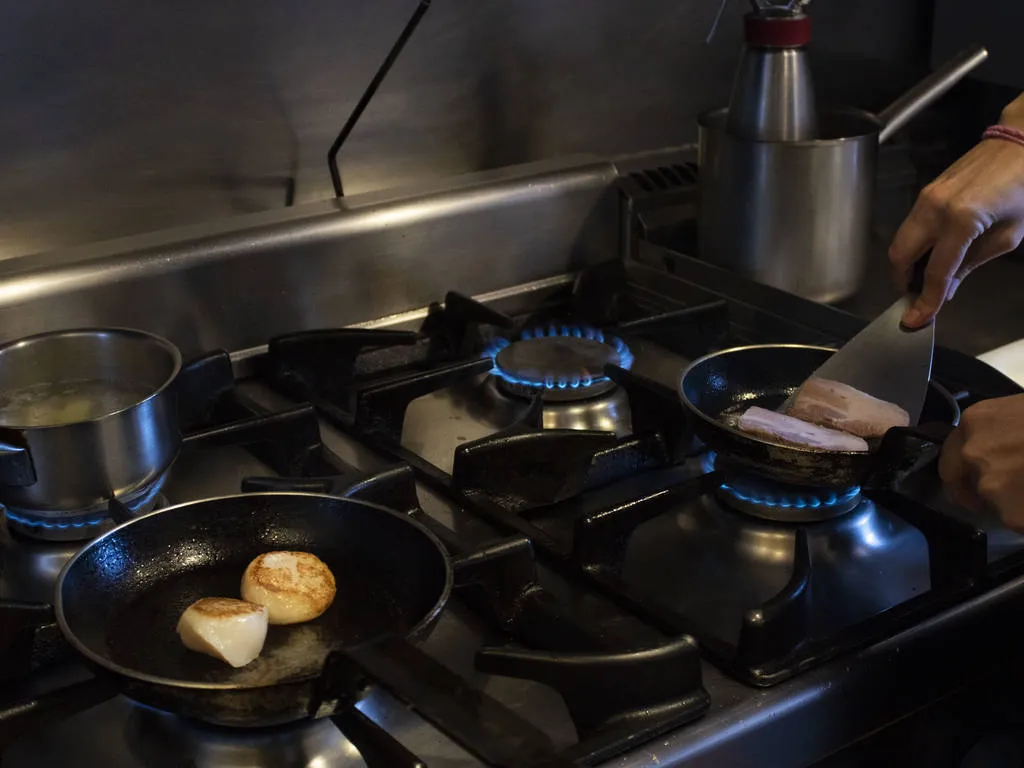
(294, 586)
(227, 629)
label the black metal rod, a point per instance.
(368, 94)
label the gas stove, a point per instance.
(771, 579)
(625, 596)
(564, 366)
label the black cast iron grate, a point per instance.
(698, 310)
(619, 691)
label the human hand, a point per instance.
(970, 214)
(982, 461)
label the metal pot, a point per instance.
(86, 415)
(797, 215)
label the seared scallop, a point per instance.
(294, 586)
(227, 629)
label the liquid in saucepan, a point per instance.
(51, 404)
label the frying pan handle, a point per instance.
(903, 449)
(18, 718)
(933, 433)
(377, 748)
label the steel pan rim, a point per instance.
(165, 344)
(109, 665)
(704, 121)
(739, 434)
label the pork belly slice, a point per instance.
(787, 429)
(839, 406)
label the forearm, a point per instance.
(1013, 113)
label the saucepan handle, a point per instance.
(200, 384)
(907, 106)
(15, 462)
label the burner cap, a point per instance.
(782, 502)
(559, 362)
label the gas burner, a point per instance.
(562, 363)
(83, 524)
(160, 739)
(607, 413)
(782, 502)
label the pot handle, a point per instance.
(200, 384)
(15, 465)
(907, 106)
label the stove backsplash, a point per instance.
(235, 284)
(113, 127)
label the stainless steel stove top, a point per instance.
(120, 733)
(648, 542)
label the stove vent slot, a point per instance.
(656, 198)
(666, 177)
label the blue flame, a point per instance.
(707, 462)
(782, 500)
(575, 381)
(796, 500)
(83, 519)
(45, 524)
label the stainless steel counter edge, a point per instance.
(326, 264)
(804, 720)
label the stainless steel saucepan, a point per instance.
(797, 215)
(86, 415)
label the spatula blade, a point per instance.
(887, 361)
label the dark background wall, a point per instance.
(119, 116)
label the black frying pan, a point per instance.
(119, 598)
(717, 388)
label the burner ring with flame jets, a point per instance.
(561, 363)
(83, 524)
(781, 502)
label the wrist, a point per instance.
(1004, 133)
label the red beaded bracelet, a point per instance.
(1004, 132)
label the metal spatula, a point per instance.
(887, 360)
